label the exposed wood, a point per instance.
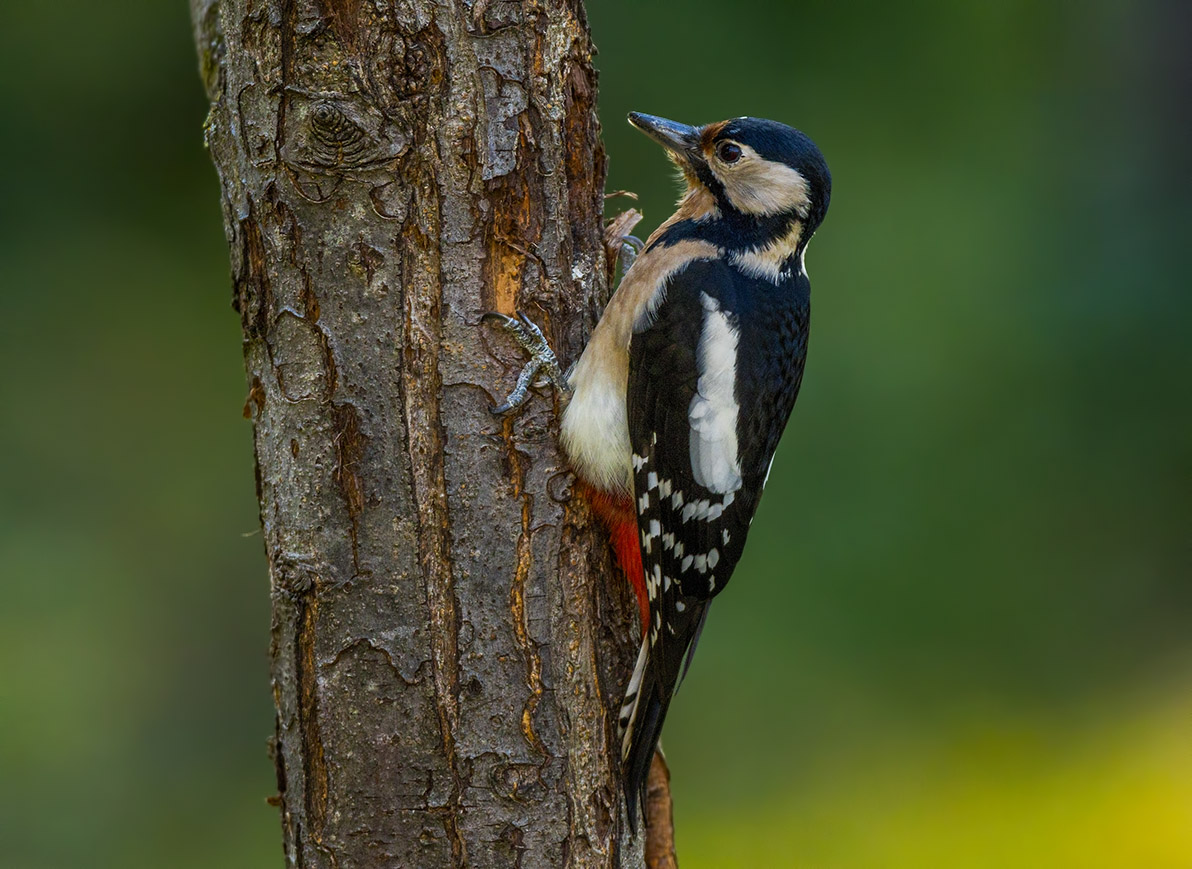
(447, 643)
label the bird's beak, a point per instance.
(681, 140)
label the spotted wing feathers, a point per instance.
(692, 513)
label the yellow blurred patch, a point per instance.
(1115, 795)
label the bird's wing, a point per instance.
(698, 474)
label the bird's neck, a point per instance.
(766, 246)
(778, 257)
(697, 207)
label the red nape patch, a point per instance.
(621, 521)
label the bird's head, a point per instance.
(754, 168)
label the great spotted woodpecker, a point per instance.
(686, 384)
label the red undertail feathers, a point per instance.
(620, 519)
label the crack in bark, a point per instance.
(422, 381)
(314, 761)
(253, 295)
(371, 644)
(517, 593)
(349, 444)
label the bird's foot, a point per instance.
(542, 360)
(619, 243)
(631, 246)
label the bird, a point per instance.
(676, 405)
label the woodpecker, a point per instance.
(679, 399)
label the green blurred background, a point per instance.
(961, 636)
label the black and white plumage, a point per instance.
(712, 381)
(715, 362)
(686, 384)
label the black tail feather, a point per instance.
(646, 733)
(666, 661)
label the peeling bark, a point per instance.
(446, 642)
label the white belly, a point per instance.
(595, 427)
(595, 430)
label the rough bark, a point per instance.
(446, 642)
(659, 809)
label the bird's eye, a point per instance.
(728, 152)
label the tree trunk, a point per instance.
(447, 643)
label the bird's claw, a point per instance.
(631, 248)
(542, 359)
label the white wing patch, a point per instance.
(713, 410)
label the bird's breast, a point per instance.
(595, 426)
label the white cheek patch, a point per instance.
(761, 186)
(713, 411)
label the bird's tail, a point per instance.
(661, 664)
